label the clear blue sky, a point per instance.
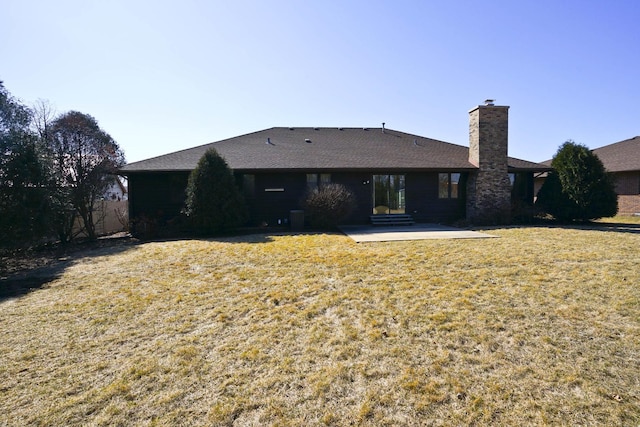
(161, 76)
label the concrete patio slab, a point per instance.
(368, 233)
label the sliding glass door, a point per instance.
(388, 194)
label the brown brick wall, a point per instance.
(628, 189)
(628, 204)
(627, 182)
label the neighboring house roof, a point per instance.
(621, 156)
(335, 149)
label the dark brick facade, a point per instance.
(627, 183)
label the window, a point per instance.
(314, 180)
(448, 185)
(389, 194)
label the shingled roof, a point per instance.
(623, 156)
(330, 149)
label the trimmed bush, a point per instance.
(214, 203)
(328, 205)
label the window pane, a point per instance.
(397, 194)
(455, 179)
(325, 178)
(312, 181)
(380, 194)
(443, 185)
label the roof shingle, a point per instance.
(288, 149)
(621, 156)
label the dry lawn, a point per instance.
(538, 327)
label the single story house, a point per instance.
(389, 172)
(622, 160)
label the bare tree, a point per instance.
(43, 114)
(86, 159)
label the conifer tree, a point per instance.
(579, 188)
(214, 203)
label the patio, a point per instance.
(369, 233)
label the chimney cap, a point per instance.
(489, 102)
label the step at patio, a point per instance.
(392, 219)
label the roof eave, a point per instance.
(126, 172)
(533, 169)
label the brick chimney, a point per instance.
(489, 188)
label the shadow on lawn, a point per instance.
(34, 270)
(248, 235)
(607, 226)
(23, 273)
(615, 227)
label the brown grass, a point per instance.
(538, 327)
